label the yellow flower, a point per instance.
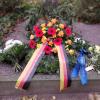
(44, 28)
(44, 39)
(38, 45)
(31, 37)
(71, 52)
(44, 32)
(90, 49)
(58, 29)
(49, 24)
(43, 25)
(69, 42)
(61, 34)
(54, 21)
(50, 43)
(61, 26)
(54, 50)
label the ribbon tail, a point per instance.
(75, 71)
(83, 76)
(63, 61)
(27, 74)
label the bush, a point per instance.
(88, 10)
(63, 10)
(9, 5)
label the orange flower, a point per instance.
(44, 28)
(54, 21)
(49, 24)
(54, 36)
(43, 25)
(69, 42)
(44, 32)
(50, 43)
(61, 34)
(44, 39)
(61, 26)
(31, 37)
(54, 50)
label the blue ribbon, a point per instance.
(80, 68)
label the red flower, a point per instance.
(35, 28)
(51, 31)
(58, 41)
(68, 31)
(32, 44)
(39, 33)
(48, 50)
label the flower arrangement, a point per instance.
(54, 32)
(55, 36)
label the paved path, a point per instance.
(19, 32)
(89, 32)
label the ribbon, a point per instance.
(80, 67)
(63, 62)
(30, 68)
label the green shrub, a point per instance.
(9, 5)
(63, 10)
(88, 10)
(14, 54)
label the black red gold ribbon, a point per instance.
(30, 68)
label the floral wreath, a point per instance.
(54, 36)
(54, 32)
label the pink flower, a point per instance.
(58, 41)
(51, 31)
(48, 50)
(39, 33)
(68, 31)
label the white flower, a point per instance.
(97, 49)
(76, 39)
(80, 40)
(89, 68)
(8, 47)
(1, 50)
(9, 42)
(94, 59)
(90, 49)
(17, 42)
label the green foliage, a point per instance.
(48, 65)
(14, 55)
(18, 6)
(6, 5)
(97, 64)
(88, 10)
(63, 10)
(8, 21)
